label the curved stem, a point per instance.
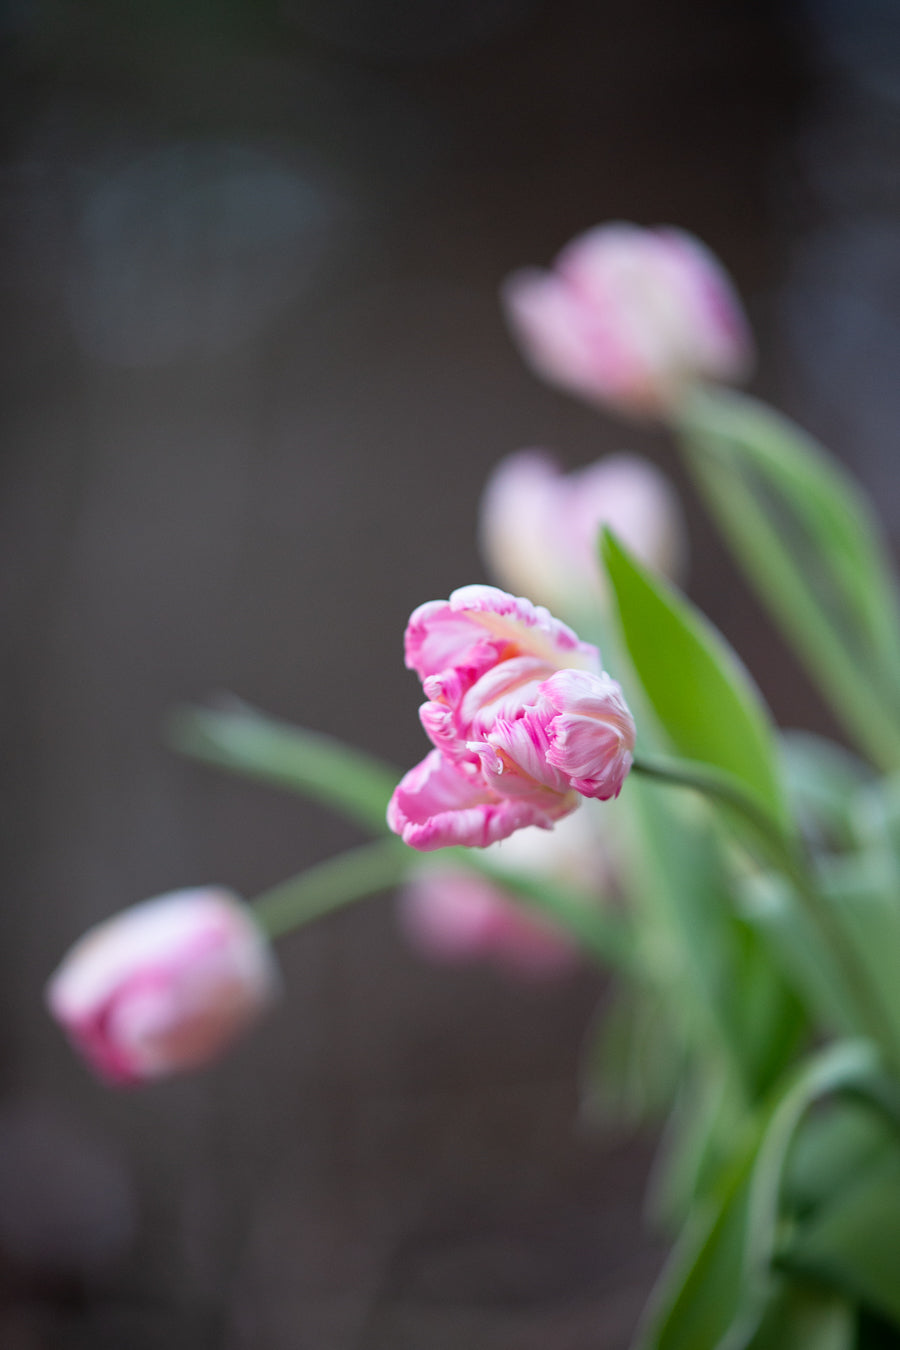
(332, 885)
(784, 852)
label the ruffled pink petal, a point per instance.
(591, 736)
(481, 625)
(514, 760)
(439, 803)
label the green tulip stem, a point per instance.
(784, 852)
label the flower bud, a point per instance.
(627, 317)
(522, 718)
(539, 526)
(163, 986)
(453, 915)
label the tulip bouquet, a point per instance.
(739, 884)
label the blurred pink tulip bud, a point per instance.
(523, 719)
(628, 316)
(539, 526)
(163, 986)
(452, 915)
(455, 916)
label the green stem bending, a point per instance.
(785, 854)
(332, 885)
(714, 782)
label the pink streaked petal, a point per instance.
(440, 642)
(501, 692)
(594, 695)
(525, 629)
(591, 737)
(592, 755)
(481, 625)
(514, 759)
(439, 804)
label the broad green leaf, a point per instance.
(701, 693)
(715, 1288)
(699, 1291)
(831, 1150)
(853, 1243)
(812, 547)
(315, 765)
(848, 1065)
(804, 1316)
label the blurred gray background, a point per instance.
(255, 375)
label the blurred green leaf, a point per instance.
(703, 696)
(715, 1289)
(796, 944)
(852, 1244)
(632, 1056)
(812, 547)
(823, 781)
(686, 931)
(804, 1316)
(833, 1147)
(315, 765)
(866, 905)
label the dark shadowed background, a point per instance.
(254, 376)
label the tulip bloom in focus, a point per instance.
(628, 317)
(523, 720)
(163, 986)
(453, 915)
(539, 526)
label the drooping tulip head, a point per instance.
(523, 720)
(539, 526)
(163, 986)
(627, 317)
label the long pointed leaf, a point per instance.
(812, 547)
(702, 694)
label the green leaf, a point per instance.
(853, 1243)
(803, 1316)
(630, 1065)
(715, 1288)
(699, 1291)
(686, 929)
(701, 693)
(868, 914)
(319, 767)
(831, 1150)
(813, 549)
(822, 781)
(796, 943)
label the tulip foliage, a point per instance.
(739, 883)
